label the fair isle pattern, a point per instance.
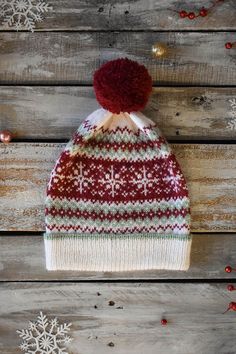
(117, 177)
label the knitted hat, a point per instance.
(117, 199)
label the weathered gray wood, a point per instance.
(132, 324)
(23, 258)
(209, 170)
(59, 57)
(56, 112)
(134, 15)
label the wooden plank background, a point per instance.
(45, 93)
(55, 112)
(132, 324)
(22, 258)
(93, 15)
(26, 169)
(194, 58)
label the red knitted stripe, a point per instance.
(125, 146)
(144, 229)
(128, 176)
(115, 216)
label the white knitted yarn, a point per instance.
(106, 253)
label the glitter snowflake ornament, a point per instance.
(45, 336)
(22, 14)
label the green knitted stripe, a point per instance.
(113, 208)
(120, 154)
(121, 137)
(126, 137)
(52, 236)
(63, 220)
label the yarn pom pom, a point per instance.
(122, 85)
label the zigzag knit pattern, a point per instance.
(117, 199)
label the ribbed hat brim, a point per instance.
(117, 253)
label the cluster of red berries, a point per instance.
(191, 15)
(230, 287)
(203, 12)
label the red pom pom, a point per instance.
(122, 85)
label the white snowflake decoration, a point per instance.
(112, 181)
(145, 180)
(45, 336)
(22, 14)
(175, 180)
(80, 177)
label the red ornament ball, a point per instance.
(228, 45)
(164, 322)
(5, 136)
(191, 15)
(122, 85)
(228, 269)
(183, 14)
(203, 12)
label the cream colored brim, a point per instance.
(111, 253)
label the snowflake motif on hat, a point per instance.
(145, 180)
(175, 180)
(112, 181)
(22, 14)
(80, 177)
(45, 336)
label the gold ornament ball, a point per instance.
(159, 49)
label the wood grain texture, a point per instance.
(209, 170)
(56, 112)
(70, 57)
(132, 324)
(23, 258)
(134, 15)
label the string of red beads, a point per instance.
(203, 12)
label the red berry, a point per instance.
(164, 322)
(228, 269)
(191, 15)
(232, 306)
(228, 45)
(183, 14)
(230, 287)
(203, 12)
